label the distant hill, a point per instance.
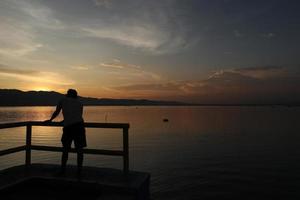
(13, 97)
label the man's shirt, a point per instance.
(72, 110)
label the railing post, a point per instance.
(28, 145)
(126, 152)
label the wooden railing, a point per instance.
(28, 147)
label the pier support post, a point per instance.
(28, 145)
(126, 151)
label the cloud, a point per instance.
(146, 26)
(16, 39)
(9, 70)
(119, 65)
(103, 3)
(80, 68)
(19, 35)
(151, 90)
(263, 68)
(149, 39)
(145, 38)
(150, 26)
(263, 72)
(37, 14)
(129, 71)
(150, 87)
(269, 35)
(237, 33)
(269, 84)
(35, 76)
(176, 88)
(255, 72)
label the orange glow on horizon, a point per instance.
(41, 88)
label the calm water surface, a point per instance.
(201, 153)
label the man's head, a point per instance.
(72, 93)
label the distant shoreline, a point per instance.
(182, 105)
(18, 98)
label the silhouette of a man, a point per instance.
(73, 129)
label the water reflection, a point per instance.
(32, 113)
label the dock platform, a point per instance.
(41, 181)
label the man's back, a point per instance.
(72, 110)
(73, 130)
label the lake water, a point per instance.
(201, 153)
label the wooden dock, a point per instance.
(41, 181)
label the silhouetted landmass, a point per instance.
(13, 97)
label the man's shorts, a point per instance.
(74, 132)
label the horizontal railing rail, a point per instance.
(28, 147)
(59, 124)
(12, 150)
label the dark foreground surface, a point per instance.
(41, 181)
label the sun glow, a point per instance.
(41, 88)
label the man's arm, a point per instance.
(56, 112)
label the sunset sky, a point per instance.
(202, 51)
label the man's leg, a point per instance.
(64, 159)
(79, 159)
(80, 143)
(66, 141)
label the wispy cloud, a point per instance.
(261, 72)
(237, 33)
(269, 84)
(130, 71)
(9, 70)
(145, 37)
(146, 26)
(133, 36)
(104, 3)
(36, 14)
(35, 76)
(18, 35)
(269, 35)
(119, 65)
(80, 67)
(155, 87)
(16, 39)
(150, 31)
